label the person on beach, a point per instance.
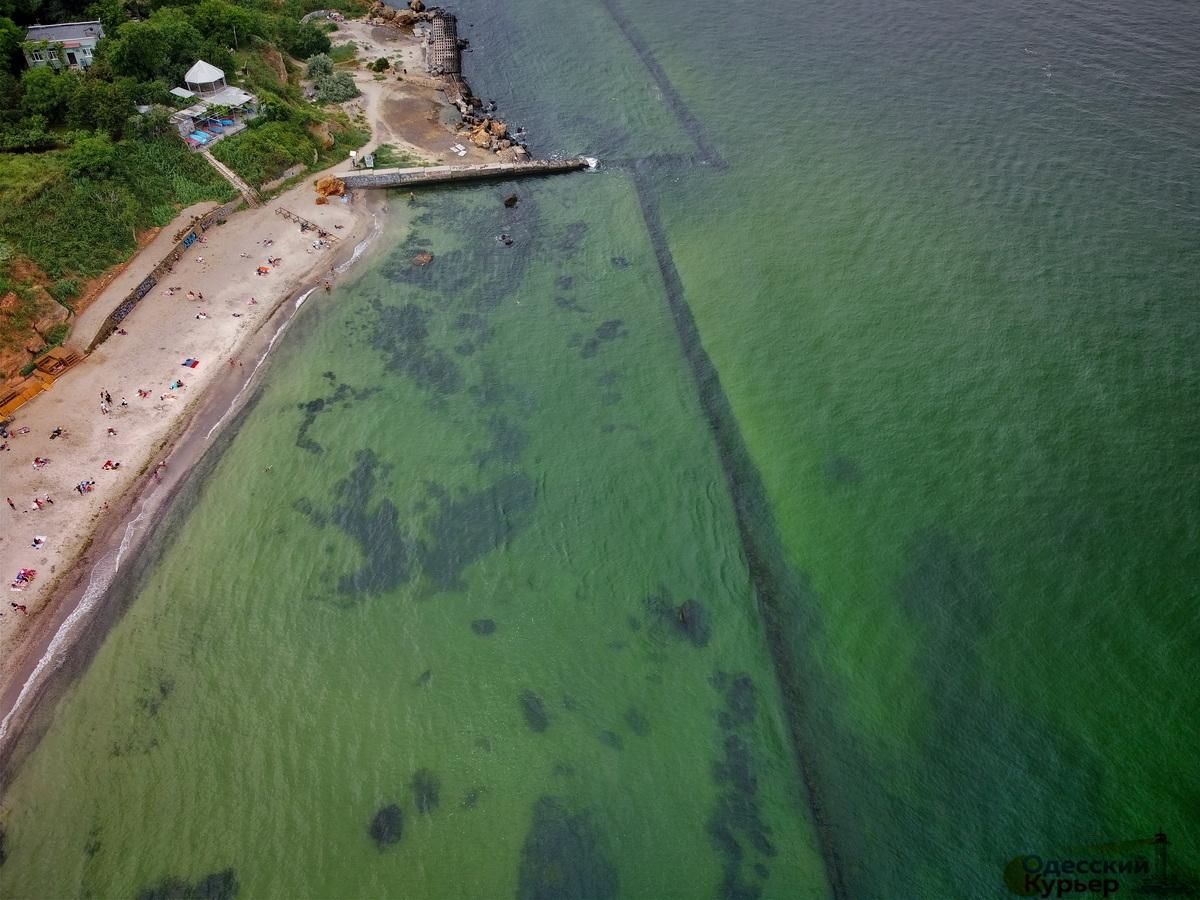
(112, 432)
(124, 402)
(11, 505)
(107, 399)
(19, 607)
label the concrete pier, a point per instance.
(412, 177)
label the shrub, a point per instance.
(27, 369)
(337, 88)
(64, 290)
(320, 66)
(57, 334)
(91, 156)
(380, 64)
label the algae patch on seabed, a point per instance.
(562, 857)
(386, 551)
(688, 621)
(217, 886)
(466, 529)
(426, 789)
(534, 711)
(387, 826)
(736, 826)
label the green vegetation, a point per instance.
(82, 172)
(387, 157)
(343, 54)
(336, 88)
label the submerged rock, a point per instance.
(562, 857)
(534, 709)
(484, 627)
(691, 622)
(387, 827)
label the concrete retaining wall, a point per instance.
(189, 237)
(386, 178)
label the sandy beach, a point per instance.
(103, 435)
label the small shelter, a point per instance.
(204, 78)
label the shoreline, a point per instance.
(75, 601)
(99, 542)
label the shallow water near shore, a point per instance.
(805, 504)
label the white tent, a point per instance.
(204, 78)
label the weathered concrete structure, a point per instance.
(387, 178)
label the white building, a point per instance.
(70, 44)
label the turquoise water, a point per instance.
(825, 466)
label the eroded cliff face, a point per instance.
(30, 319)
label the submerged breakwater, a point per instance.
(798, 506)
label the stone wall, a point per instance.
(188, 237)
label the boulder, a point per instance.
(416, 6)
(497, 128)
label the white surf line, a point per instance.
(102, 577)
(359, 249)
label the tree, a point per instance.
(138, 50)
(320, 66)
(11, 38)
(301, 41)
(91, 156)
(111, 14)
(226, 24)
(46, 92)
(102, 105)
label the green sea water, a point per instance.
(825, 466)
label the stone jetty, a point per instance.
(429, 175)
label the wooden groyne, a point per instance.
(388, 178)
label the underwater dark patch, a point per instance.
(464, 530)
(605, 332)
(424, 678)
(534, 711)
(619, 262)
(572, 237)
(637, 722)
(387, 826)
(741, 700)
(401, 335)
(484, 627)
(611, 739)
(569, 304)
(735, 826)
(508, 442)
(152, 698)
(342, 393)
(564, 282)
(387, 553)
(426, 788)
(217, 886)
(688, 621)
(472, 797)
(562, 857)
(843, 470)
